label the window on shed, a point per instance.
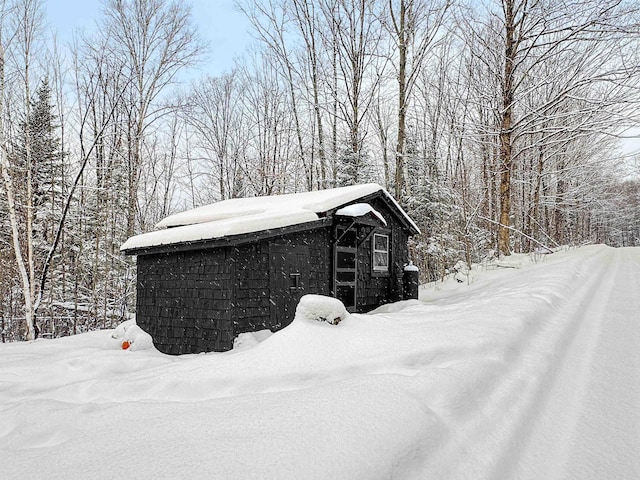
(380, 253)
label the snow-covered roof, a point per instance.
(316, 202)
(247, 215)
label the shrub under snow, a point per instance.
(132, 337)
(321, 309)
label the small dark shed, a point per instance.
(241, 265)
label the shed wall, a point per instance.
(251, 307)
(265, 298)
(375, 289)
(184, 300)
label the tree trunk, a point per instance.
(506, 147)
(29, 206)
(402, 101)
(27, 287)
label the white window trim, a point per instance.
(379, 268)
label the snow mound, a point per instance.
(121, 329)
(462, 271)
(132, 337)
(321, 309)
(137, 338)
(250, 339)
(396, 307)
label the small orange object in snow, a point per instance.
(125, 345)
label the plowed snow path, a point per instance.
(569, 403)
(566, 401)
(590, 425)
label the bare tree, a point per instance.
(215, 112)
(270, 19)
(531, 34)
(269, 159)
(158, 40)
(357, 28)
(309, 24)
(25, 23)
(415, 27)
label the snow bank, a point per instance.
(250, 339)
(396, 307)
(121, 329)
(137, 339)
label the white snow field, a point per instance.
(530, 372)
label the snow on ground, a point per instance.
(530, 371)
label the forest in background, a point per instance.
(497, 125)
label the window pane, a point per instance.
(346, 276)
(380, 242)
(380, 259)
(347, 295)
(346, 260)
(380, 254)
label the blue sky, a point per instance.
(217, 21)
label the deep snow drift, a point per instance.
(529, 372)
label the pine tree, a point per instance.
(38, 131)
(48, 163)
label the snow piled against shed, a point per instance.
(526, 373)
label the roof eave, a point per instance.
(228, 241)
(402, 216)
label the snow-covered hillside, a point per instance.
(528, 373)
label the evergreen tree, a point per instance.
(354, 168)
(40, 132)
(48, 163)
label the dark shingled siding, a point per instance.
(250, 304)
(184, 300)
(256, 304)
(375, 289)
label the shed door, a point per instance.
(345, 266)
(289, 280)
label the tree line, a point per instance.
(496, 124)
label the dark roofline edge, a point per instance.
(391, 204)
(228, 241)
